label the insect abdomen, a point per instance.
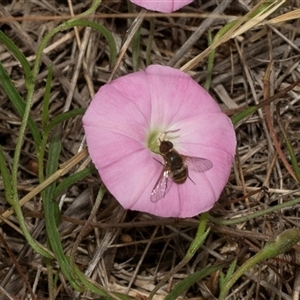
(180, 176)
(177, 167)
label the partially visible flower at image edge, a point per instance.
(164, 6)
(124, 122)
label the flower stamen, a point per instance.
(162, 136)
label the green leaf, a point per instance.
(51, 213)
(10, 45)
(18, 103)
(50, 210)
(282, 243)
(245, 113)
(6, 176)
(78, 280)
(293, 157)
(63, 117)
(70, 180)
(289, 146)
(186, 283)
(45, 112)
(225, 278)
(13, 201)
(136, 51)
(210, 63)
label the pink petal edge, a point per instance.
(165, 6)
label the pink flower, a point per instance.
(124, 123)
(165, 6)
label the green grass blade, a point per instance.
(243, 114)
(78, 280)
(6, 176)
(63, 117)
(13, 201)
(150, 42)
(293, 158)
(283, 243)
(186, 283)
(210, 63)
(225, 278)
(91, 10)
(45, 113)
(18, 103)
(136, 43)
(10, 45)
(70, 180)
(51, 212)
(289, 146)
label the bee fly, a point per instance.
(175, 169)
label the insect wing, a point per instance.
(198, 164)
(162, 186)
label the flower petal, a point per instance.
(212, 130)
(176, 96)
(116, 101)
(182, 201)
(165, 6)
(123, 169)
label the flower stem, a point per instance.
(283, 243)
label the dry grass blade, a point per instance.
(259, 18)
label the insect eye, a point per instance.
(165, 146)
